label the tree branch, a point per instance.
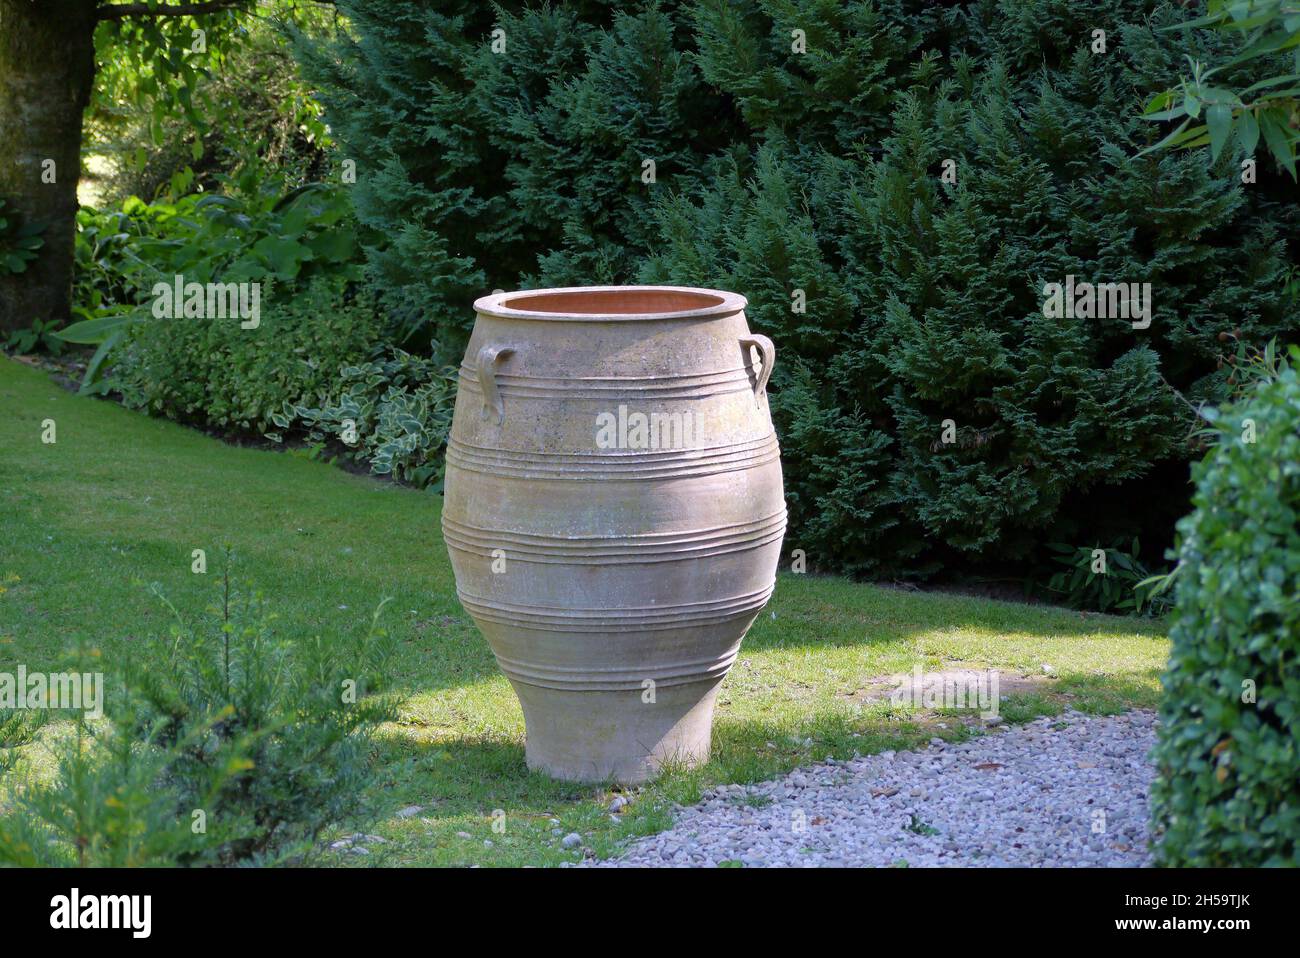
(120, 11)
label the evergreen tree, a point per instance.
(893, 185)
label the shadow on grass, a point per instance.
(465, 785)
(824, 611)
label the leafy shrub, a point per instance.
(253, 233)
(253, 230)
(108, 271)
(245, 103)
(1114, 581)
(42, 335)
(228, 747)
(1211, 114)
(213, 373)
(316, 368)
(18, 242)
(1229, 741)
(393, 413)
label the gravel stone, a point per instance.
(1064, 791)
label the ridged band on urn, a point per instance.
(614, 510)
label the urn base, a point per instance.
(624, 736)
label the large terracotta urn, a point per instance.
(613, 509)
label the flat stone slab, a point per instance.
(915, 687)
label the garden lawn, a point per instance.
(120, 501)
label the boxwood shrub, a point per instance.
(1227, 793)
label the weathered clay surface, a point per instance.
(614, 582)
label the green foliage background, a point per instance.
(820, 171)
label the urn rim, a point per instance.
(604, 304)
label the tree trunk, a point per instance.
(47, 68)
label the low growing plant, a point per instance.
(18, 242)
(226, 746)
(17, 728)
(41, 335)
(393, 413)
(213, 373)
(1111, 579)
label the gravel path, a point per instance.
(1036, 794)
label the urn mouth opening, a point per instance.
(611, 303)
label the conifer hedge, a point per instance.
(799, 152)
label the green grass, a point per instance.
(122, 499)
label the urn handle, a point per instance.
(487, 380)
(767, 350)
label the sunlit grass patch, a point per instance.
(121, 500)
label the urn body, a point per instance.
(613, 510)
